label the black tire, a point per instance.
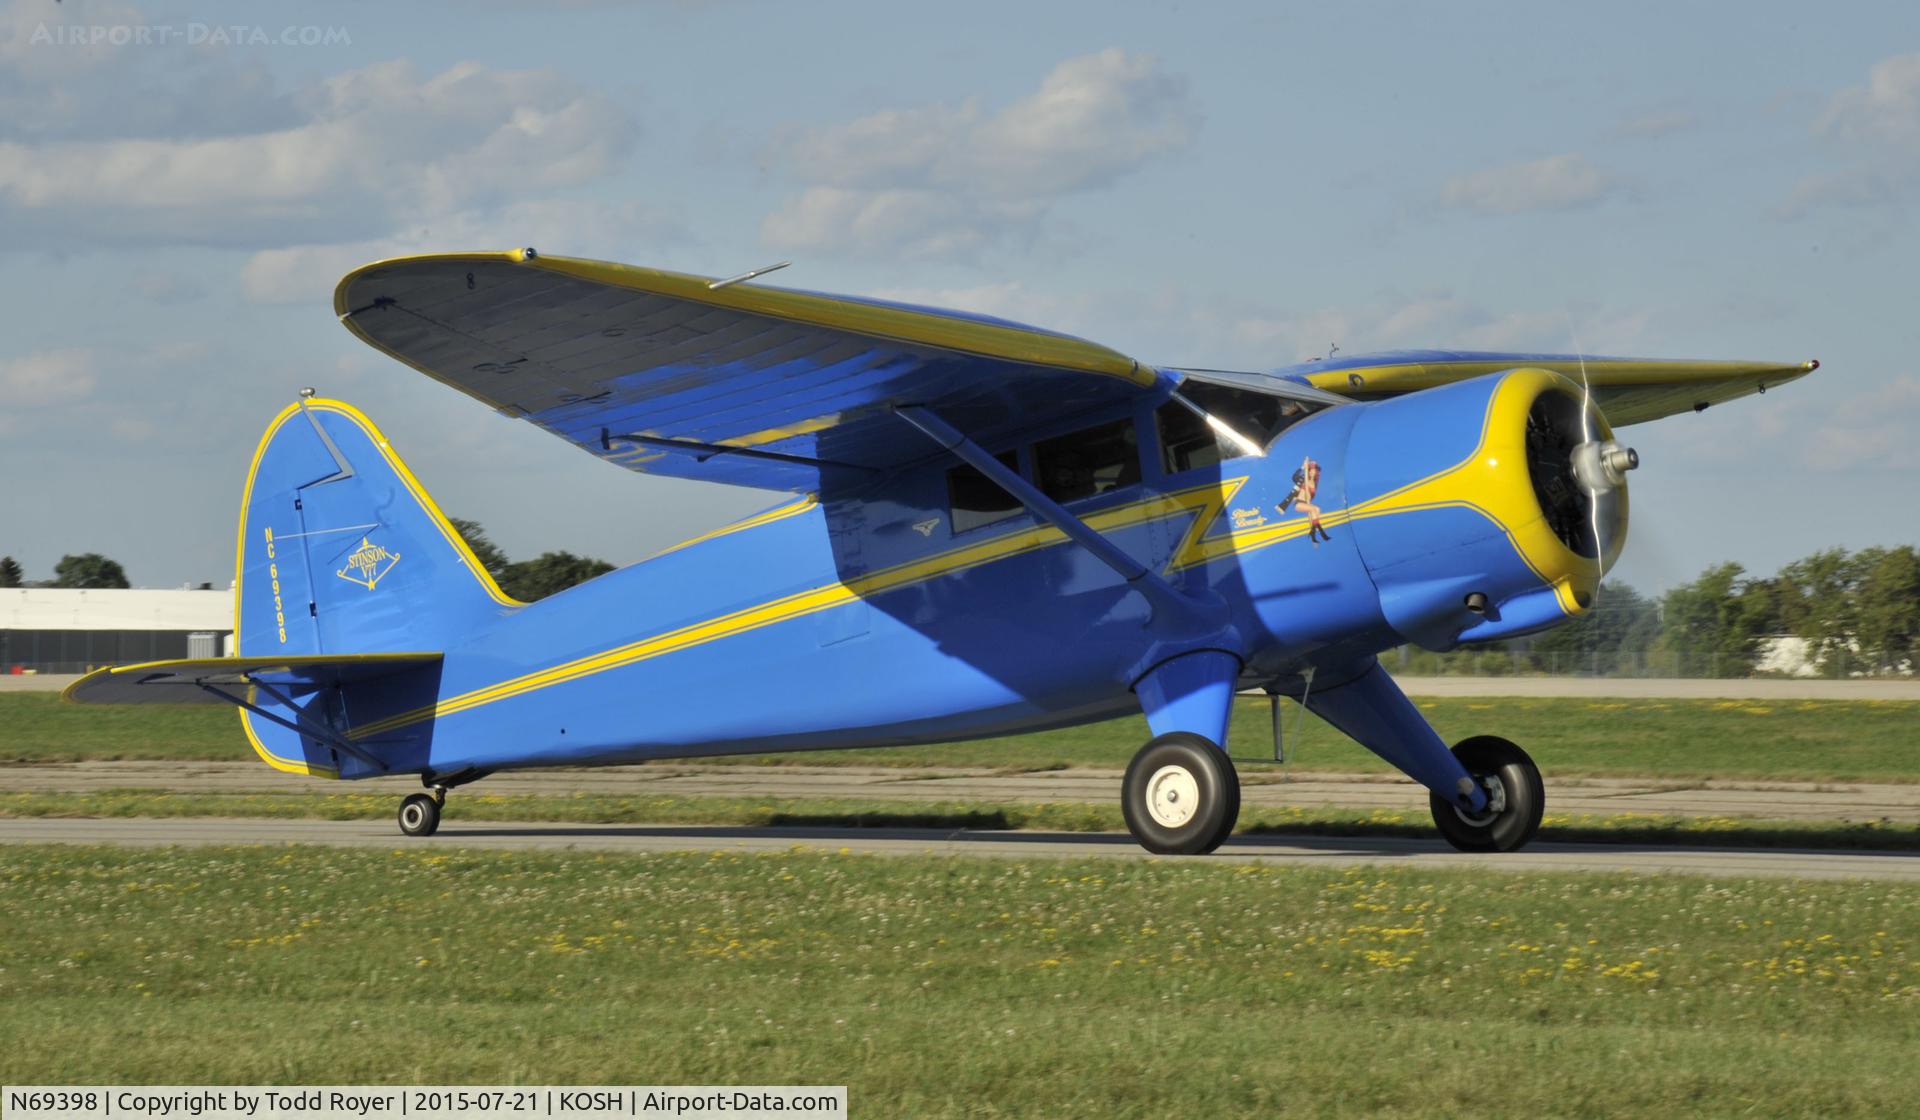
(1175, 765)
(1516, 822)
(420, 815)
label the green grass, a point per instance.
(939, 987)
(1807, 740)
(1812, 740)
(36, 726)
(1617, 828)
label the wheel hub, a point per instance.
(1173, 796)
(1496, 803)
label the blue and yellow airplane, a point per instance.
(993, 529)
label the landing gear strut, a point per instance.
(1181, 795)
(420, 813)
(1516, 798)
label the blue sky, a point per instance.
(1239, 185)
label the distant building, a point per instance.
(56, 630)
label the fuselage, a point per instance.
(889, 616)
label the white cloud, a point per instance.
(373, 144)
(46, 378)
(1875, 131)
(1439, 320)
(1562, 182)
(1886, 108)
(1868, 431)
(909, 223)
(59, 80)
(307, 273)
(1169, 326)
(944, 180)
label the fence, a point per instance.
(1836, 664)
(77, 651)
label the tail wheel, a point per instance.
(420, 815)
(1516, 798)
(1181, 795)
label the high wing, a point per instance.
(669, 374)
(1628, 390)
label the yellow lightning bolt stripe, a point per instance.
(1205, 502)
(779, 513)
(1503, 497)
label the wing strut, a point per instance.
(1158, 592)
(298, 725)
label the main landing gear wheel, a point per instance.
(1181, 795)
(1515, 798)
(420, 815)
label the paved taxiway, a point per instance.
(1829, 801)
(1292, 850)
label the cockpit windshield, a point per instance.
(1191, 428)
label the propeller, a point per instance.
(1600, 468)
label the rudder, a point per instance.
(341, 550)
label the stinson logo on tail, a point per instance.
(368, 564)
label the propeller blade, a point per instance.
(1599, 466)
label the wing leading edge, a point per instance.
(1628, 390)
(662, 373)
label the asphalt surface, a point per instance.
(1296, 851)
(1828, 801)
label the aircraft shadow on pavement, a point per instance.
(1008, 838)
(1014, 840)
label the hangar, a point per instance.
(60, 630)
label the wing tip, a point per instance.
(71, 693)
(341, 309)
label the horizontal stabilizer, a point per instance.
(214, 680)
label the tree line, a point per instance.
(1857, 612)
(528, 580)
(87, 570)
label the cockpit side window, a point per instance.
(1188, 441)
(977, 500)
(1088, 462)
